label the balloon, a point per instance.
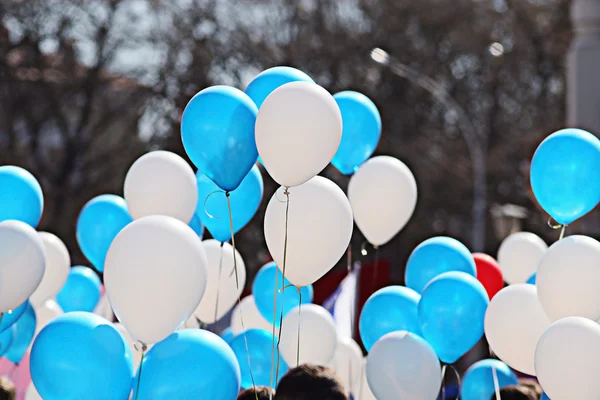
(100, 220)
(270, 79)
(347, 363)
(488, 273)
(364, 391)
(435, 256)
(392, 376)
(567, 279)
(319, 227)
(478, 382)
(252, 318)
(263, 290)
(23, 335)
(104, 309)
(189, 364)
(21, 197)
(217, 130)
(361, 132)
(9, 318)
(81, 355)
(212, 207)
(197, 226)
(224, 288)
(227, 335)
(568, 352)
(544, 397)
(58, 263)
(532, 279)
(452, 311)
(318, 337)
(564, 174)
(22, 263)
(383, 194)
(136, 355)
(32, 393)
(393, 308)
(514, 322)
(81, 292)
(258, 357)
(161, 183)
(519, 256)
(298, 131)
(156, 273)
(44, 314)
(6, 339)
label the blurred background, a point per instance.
(466, 88)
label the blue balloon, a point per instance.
(100, 220)
(478, 382)
(434, 257)
(6, 339)
(9, 318)
(23, 335)
(451, 311)
(532, 279)
(362, 129)
(80, 355)
(259, 346)
(544, 396)
(393, 308)
(263, 288)
(264, 83)
(227, 335)
(197, 226)
(564, 174)
(213, 212)
(189, 364)
(81, 291)
(217, 130)
(21, 196)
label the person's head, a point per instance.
(261, 393)
(516, 393)
(533, 385)
(7, 389)
(310, 382)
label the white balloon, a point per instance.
(248, 311)
(32, 393)
(137, 355)
(383, 195)
(566, 359)
(401, 365)
(22, 263)
(519, 256)
(348, 362)
(46, 313)
(155, 275)
(223, 285)
(318, 337)
(104, 309)
(364, 391)
(567, 279)
(514, 322)
(319, 229)
(298, 131)
(58, 263)
(161, 183)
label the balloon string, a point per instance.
(237, 285)
(562, 232)
(299, 321)
(285, 245)
(352, 305)
(206, 201)
(496, 385)
(375, 270)
(444, 382)
(139, 380)
(555, 225)
(275, 291)
(219, 283)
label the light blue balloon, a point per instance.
(451, 311)
(6, 339)
(217, 130)
(10, 318)
(100, 220)
(264, 83)
(544, 396)
(434, 257)
(81, 355)
(81, 291)
(478, 382)
(189, 364)
(213, 212)
(197, 226)
(362, 130)
(21, 196)
(565, 174)
(393, 308)
(23, 335)
(227, 335)
(259, 346)
(263, 290)
(532, 279)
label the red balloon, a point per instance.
(488, 273)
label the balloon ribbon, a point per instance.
(139, 380)
(285, 245)
(496, 385)
(219, 282)
(444, 367)
(553, 225)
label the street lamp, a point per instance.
(507, 219)
(475, 143)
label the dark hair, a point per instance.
(261, 393)
(308, 382)
(533, 385)
(516, 393)
(7, 389)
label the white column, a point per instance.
(583, 68)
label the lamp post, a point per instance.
(507, 219)
(475, 144)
